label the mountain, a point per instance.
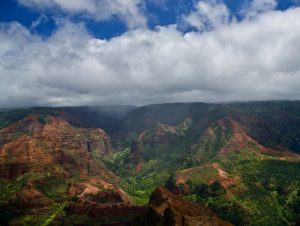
(165, 208)
(240, 159)
(245, 182)
(102, 165)
(47, 165)
(106, 117)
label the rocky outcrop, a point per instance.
(136, 154)
(238, 146)
(52, 146)
(30, 197)
(51, 152)
(168, 209)
(160, 136)
(23, 155)
(99, 192)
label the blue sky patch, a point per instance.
(157, 13)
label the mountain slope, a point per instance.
(245, 182)
(165, 208)
(46, 164)
(240, 159)
(218, 155)
(105, 117)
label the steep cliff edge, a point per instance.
(165, 208)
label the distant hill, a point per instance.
(105, 117)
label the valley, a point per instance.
(233, 163)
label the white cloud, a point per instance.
(255, 7)
(41, 19)
(250, 60)
(128, 10)
(208, 15)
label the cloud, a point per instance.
(250, 60)
(127, 10)
(253, 8)
(208, 15)
(36, 23)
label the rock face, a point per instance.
(238, 147)
(239, 159)
(53, 146)
(45, 162)
(29, 197)
(157, 142)
(168, 209)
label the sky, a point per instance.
(94, 52)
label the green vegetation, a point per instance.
(54, 188)
(15, 214)
(267, 193)
(209, 144)
(138, 184)
(160, 158)
(182, 140)
(42, 119)
(165, 149)
(141, 187)
(8, 188)
(264, 191)
(60, 207)
(6, 118)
